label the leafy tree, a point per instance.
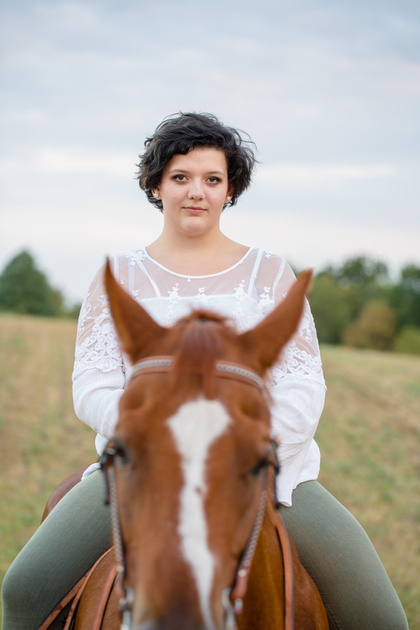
(362, 280)
(405, 297)
(329, 308)
(374, 328)
(361, 272)
(25, 289)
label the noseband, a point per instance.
(232, 598)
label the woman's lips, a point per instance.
(194, 209)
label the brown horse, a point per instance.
(190, 472)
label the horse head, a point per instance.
(190, 449)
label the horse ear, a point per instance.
(269, 336)
(136, 329)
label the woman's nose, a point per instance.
(196, 190)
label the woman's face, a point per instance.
(193, 191)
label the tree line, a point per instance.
(354, 304)
(358, 304)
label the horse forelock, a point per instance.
(200, 344)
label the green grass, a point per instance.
(41, 440)
(369, 438)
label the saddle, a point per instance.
(105, 564)
(93, 616)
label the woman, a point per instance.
(192, 168)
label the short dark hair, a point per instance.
(181, 133)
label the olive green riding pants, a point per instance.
(333, 547)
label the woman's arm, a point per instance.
(99, 371)
(298, 395)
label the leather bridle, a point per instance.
(232, 598)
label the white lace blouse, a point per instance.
(245, 293)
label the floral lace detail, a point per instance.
(265, 302)
(201, 299)
(306, 328)
(136, 255)
(101, 348)
(238, 312)
(173, 299)
(298, 362)
(295, 359)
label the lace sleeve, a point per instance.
(301, 356)
(97, 344)
(298, 394)
(299, 368)
(99, 372)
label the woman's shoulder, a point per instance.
(123, 263)
(120, 267)
(130, 256)
(273, 261)
(268, 254)
(273, 272)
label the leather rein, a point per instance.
(232, 598)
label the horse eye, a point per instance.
(122, 456)
(119, 452)
(261, 465)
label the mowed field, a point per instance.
(369, 438)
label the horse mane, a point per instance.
(199, 347)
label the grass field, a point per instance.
(369, 438)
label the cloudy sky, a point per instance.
(328, 89)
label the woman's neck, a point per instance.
(196, 256)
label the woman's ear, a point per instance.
(155, 193)
(229, 194)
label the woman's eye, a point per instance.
(213, 180)
(179, 178)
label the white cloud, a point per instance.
(69, 162)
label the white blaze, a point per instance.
(195, 426)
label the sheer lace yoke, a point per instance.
(245, 293)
